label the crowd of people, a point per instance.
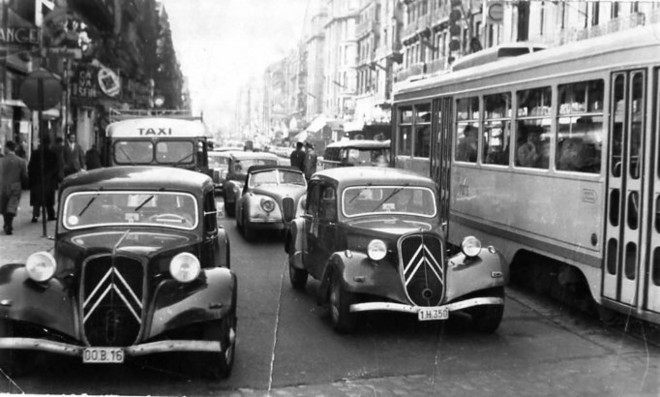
(41, 174)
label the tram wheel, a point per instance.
(541, 278)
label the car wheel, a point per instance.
(219, 365)
(342, 319)
(298, 277)
(487, 318)
(14, 362)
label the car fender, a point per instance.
(362, 275)
(49, 304)
(224, 247)
(469, 275)
(293, 241)
(232, 191)
(177, 305)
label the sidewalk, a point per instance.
(27, 237)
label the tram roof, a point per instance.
(629, 48)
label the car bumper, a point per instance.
(69, 349)
(403, 308)
(265, 224)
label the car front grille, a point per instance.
(111, 297)
(422, 268)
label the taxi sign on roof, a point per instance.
(153, 127)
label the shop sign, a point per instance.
(19, 35)
(109, 82)
(83, 83)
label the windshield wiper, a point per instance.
(183, 158)
(91, 200)
(143, 203)
(394, 193)
(130, 160)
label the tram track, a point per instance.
(583, 319)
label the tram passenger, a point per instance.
(466, 150)
(532, 153)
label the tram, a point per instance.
(554, 158)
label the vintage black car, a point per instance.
(374, 239)
(356, 152)
(139, 266)
(239, 162)
(266, 189)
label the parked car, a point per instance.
(139, 266)
(266, 189)
(373, 238)
(239, 162)
(219, 165)
(356, 152)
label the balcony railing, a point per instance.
(365, 28)
(612, 26)
(415, 69)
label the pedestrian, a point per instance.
(13, 177)
(298, 157)
(58, 149)
(93, 158)
(43, 187)
(310, 160)
(20, 149)
(74, 156)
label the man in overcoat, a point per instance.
(42, 190)
(13, 176)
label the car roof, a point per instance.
(360, 144)
(215, 153)
(140, 177)
(373, 175)
(257, 168)
(243, 155)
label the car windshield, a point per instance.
(242, 165)
(130, 208)
(218, 162)
(276, 177)
(370, 200)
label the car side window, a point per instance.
(328, 205)
(312, 199)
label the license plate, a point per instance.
(433, 313)
(103, 355)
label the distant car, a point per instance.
(356, 152)
(373, 238)
(239, 162)
(140, 266)
(266, 190)
(219, 166)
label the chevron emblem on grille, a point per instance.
(113, 281)
(422, 257)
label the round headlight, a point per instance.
(185, 267)
(40, 266)
(471, 246)
(376, 250)
(268, 205)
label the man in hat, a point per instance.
(298, 157)
(13, 177)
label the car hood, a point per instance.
(148, 243)
(392, 226)
(280, 191)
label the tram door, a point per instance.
(441, 153)
(629, 228)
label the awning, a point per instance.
(316, 124)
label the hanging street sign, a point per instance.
(41, 90)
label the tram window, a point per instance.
(636, 127)
(655, 273)
(404, 133)
(422, 138)
(533, 127)
(467, 132)
(580, 126)
(497, 129)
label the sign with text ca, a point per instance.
(89, 83)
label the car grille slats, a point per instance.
(111, 298)
(422, 269)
